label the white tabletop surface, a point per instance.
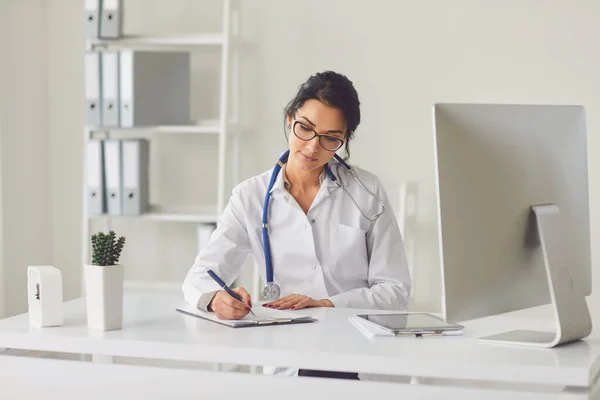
(36, 378)
(153, 329)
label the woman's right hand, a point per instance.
(227, 307)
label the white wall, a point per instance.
(65, 120)
(402, 55)
(24, 144)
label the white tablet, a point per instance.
(410, 322)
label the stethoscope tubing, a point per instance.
(265, 227)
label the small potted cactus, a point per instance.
(104, 283)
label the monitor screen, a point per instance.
(494, 164)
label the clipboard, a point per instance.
(264, 317)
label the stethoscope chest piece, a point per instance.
(271, 291)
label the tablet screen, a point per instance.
(409, 321)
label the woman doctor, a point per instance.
(333, 240)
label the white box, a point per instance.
(45, 295)
(203, 234)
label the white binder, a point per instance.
(154, 88)
(112, 170)
(136, 163)
(110, 89)
(111, 23)
(93, 92)
(95, 178)
(91, 18)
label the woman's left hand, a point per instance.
(296, 302)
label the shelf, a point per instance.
(205, 127)
(208, 129)
(221, 135)
(157, 42)
(176, 217)
(206, 215)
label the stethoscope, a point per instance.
(271, 290)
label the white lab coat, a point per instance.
(333, 252)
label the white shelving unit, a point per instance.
(225, 128)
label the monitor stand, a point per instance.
(571, 313)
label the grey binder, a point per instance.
(95, 178)
(136, 163)
(91, 18)
(113, 173)
(93, 89)
(111, 23)
(154, 88)
(110, 89)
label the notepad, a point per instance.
(264, 316)
(369, 331)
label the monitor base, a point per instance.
(571, 312)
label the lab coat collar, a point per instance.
(281, 182)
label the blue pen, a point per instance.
(226, 288)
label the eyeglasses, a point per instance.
(306, 133)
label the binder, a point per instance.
(110, 89)
(91, 18)
(111, 23)
(95, 178)
(112, 170)
(93, 92)
(136, 163)
(154, 88)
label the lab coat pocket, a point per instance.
(351, 261)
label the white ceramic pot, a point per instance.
(104, 296)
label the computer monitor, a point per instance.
(513, 214)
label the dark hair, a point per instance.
(333, 90)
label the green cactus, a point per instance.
(106, 248)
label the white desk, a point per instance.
(153, 329)
(34, 378)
